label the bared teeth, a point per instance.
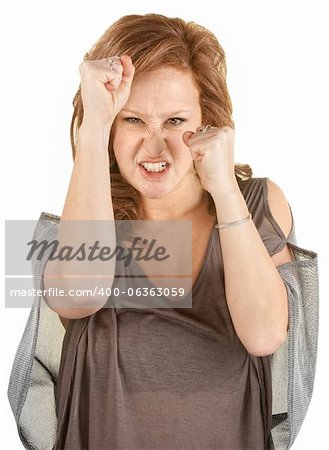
(154, 167)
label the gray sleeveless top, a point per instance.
(169, 378)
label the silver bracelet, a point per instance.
(232, 224)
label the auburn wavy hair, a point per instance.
(153, 41)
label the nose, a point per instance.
(154, 142)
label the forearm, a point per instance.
(255, 293)
(89, 192)
(87, 218)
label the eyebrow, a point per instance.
(175, 113)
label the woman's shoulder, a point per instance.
(252, 186)
(257, 189)
(255, 181)
(270, 209)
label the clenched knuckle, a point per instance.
(84, 66)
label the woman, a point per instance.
(160, 117)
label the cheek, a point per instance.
(116, 145)
(123, 147)
(177, 147)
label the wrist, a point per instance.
(223, 226)
(94, 132)
(230, 204)
(95, 125)
(221, 191)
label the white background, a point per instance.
(277, 72)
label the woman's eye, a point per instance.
(132, 120)
(173, 121)
(176, 120)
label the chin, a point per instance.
(154, 194)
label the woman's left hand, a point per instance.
(213, 155)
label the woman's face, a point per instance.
(162, 105)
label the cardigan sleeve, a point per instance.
(36, 363)
(293, 365)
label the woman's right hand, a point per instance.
(105, 88)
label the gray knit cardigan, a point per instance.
(35, 368)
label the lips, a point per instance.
(154, 175)
(154, 162)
